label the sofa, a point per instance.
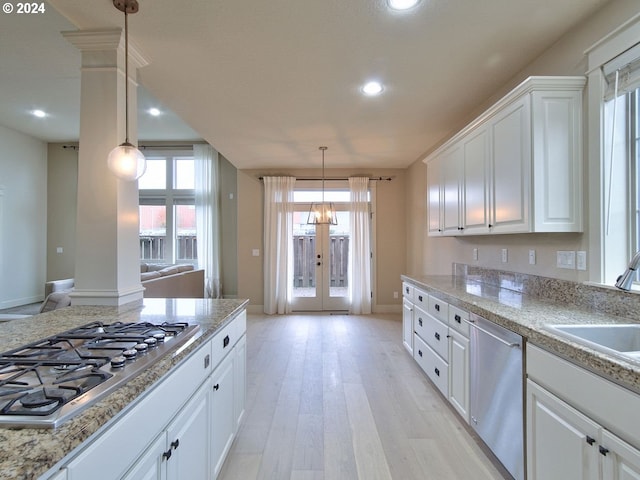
(171, 281)
(158, 280)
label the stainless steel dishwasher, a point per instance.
(496, 392)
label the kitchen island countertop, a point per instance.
(28, 453)
(528, 315)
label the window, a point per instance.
(613, 145)
(167, 209)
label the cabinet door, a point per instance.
(151, 465)
(239, 380)
(557, 161)
(407, 325)
(434, 194)
(511, 168)
(188, 439)
(223, 422)
(459, 373)
(451, 176)
(620, 461)
(561, 442)
(475, 182)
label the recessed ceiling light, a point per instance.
(372, 89)
(154, 111)
(403, 4)
(39, 113)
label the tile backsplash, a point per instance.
(601, 299)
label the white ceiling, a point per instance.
(267, 82)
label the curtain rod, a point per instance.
(181, 145)
(152, 147)
(306, 179)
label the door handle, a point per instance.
(319, 263)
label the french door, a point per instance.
(321, 263)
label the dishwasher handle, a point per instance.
(508, 344)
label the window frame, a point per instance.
(170, 197)
(603, 269)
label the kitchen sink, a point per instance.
(615, 339)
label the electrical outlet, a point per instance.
(395, 294)
(255, 252)
(532, 257)
(566, 259)
(475, 254)
(505, 255)
(581, 260)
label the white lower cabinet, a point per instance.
(181, 451)
(240, 380)
(183, 428)
(559, 439)
(459, 373)
(224, 423)
(570, 417)
(407, 325)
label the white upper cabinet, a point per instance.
(517, 168)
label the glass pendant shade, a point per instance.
(322, 214)
(127, 162)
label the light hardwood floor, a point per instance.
(338, 397)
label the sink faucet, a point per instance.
(625, 280)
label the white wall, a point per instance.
(62, 193)
(430, 255)
(23, 218)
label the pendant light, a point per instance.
(322, 213)
(126, 161)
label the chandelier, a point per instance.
(323, 213)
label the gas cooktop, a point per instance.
(46, 382)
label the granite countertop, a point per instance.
(28, 453)
(528, 315)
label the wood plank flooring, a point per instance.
(337, 397)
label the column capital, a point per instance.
(104, 40)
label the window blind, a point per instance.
(627, 64)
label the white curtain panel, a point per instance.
(359, 246)
(208, 217)
(278, 243)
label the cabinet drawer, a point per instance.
(457, 319)
(407, 291)
(420, 299)
(435, 368)
(439, 309)
(420, 321)
(435, 334)
(223, 342)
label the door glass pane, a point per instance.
(186, 244)
(153, 232)
(304, 253)
(339, 256)
(155, 177)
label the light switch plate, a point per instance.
(566, 259)
(505, 255)
(581, 260)
(475, 254)
(255, 252)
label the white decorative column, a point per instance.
(107, 264)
